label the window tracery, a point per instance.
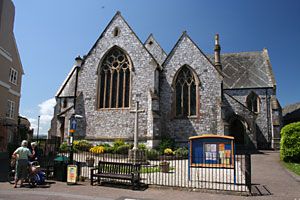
(114, 80)
(253, 102)
(186, 93)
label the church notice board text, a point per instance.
(211, 151)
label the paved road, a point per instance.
(269, 176)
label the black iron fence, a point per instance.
(170, 170)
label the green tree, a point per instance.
(290, 142)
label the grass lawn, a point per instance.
(146, 170)
(295, 167)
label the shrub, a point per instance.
(290, 142)
(64, 147)
(97, 149)
(151, 154)
(184, 152)
(166, 143)
(123, 149)
(118, 143)
(82, 145)
(108, 149)
(142, 146)
(168, 151)
(130, 145)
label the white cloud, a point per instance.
(46, 114)
(46, 108)
(45, 119)
(32, 120)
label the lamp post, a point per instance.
(38, 131)
(77, 67)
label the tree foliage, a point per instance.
(290, 142)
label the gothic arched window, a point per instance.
(253, 102)
(114, 80)
(186, 93)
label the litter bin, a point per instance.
(79, 164)
(60, 168)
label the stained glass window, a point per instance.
(114, 80)
(185, 93)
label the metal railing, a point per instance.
(236, 176)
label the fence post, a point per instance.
(248, 171)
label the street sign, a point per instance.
(73, 124)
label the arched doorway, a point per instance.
(237, 130)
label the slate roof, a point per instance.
(288, 109)
(246, 70)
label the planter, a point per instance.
(90, 163)
(164, 167)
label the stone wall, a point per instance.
(264, 118)
(116, 123)
(209, 118)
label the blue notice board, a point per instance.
(211, 151)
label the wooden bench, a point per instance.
(115, 170)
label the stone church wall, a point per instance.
(208, 120)
(263, 119)
(116, 123)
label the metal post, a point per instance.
(38, 131)
(74, 107)
(248, 171)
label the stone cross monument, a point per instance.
(136, 155)
(136, 128)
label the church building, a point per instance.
(182, 94)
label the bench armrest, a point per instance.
(93, 169)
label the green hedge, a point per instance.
(290, 142)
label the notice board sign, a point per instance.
(211, 151)
(72, 174)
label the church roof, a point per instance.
(289, 109)
(118, 14)
(67, 88)
(246, 70)
(184, 35)
(155, 49)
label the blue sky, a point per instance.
(50, 34)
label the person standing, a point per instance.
(22, 153)
(34, 151)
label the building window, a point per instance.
(115, 80)
(10, 109)
(65, 103)
(13, 76)
(253, 102)
(185, 89)
(116, 32)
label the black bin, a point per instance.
(60, 168)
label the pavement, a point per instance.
(271, 180)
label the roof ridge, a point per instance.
(118, 14)
(151, 35)
(184, 34)
(244, 52)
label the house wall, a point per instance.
(9, 58)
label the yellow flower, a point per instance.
(168, 151)
(97, 149)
